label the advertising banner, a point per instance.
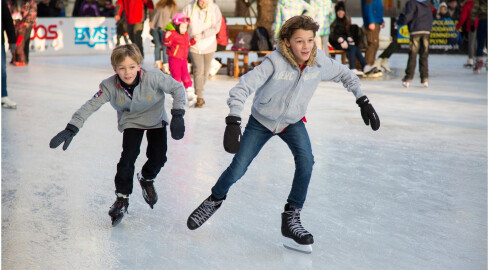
(77, 36)
(444, 36)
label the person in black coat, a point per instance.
(8, 27)
(341, 39)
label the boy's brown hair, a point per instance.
(121, 52)
(295, 23)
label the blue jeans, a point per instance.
(4, 72)
(160, 49)
(481, 37)
(254, 137)
(354, 51)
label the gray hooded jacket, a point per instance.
(283, 92)
(146, 109)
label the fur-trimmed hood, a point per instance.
(287, 53)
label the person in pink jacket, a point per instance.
(177, 44)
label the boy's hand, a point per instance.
(177, 124)
(232, 134)
(64, 136)
(368, 113)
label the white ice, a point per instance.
(412, 195)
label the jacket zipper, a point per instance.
(287, 102)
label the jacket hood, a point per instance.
(170, 27)
(287, 53)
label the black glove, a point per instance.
(368, 113)
(177, 124)
(64, 136)
(232, 134)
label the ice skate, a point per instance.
(295, 236)
(406, 82)
(478, 66)
(200, 103)
(385, 64)
(425, 83)
(166, 68)
(149, 192)
(357, 72)
(117, 210)
(372, 71)
(470, 63)
(191, 96)
(158, 64)
(205, 210)
(7, 103)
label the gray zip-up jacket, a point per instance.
(145, 110)
(283, 92)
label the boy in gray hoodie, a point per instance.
(283, 85)
(138, 96)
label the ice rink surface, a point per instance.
(412, 195)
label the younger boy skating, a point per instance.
(138, 96)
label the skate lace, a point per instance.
(119, 203)
(204, 211)
(150, 190)
(295, 223)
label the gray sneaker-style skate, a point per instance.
(149, 192)
(295, 236)
(205, 210)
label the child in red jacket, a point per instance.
(177, 44)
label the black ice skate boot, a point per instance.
(205, 210)
(117, 210)
(149, 192)
(296, 237)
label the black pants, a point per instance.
(135, 31)
(156, 154)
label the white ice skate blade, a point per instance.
(291, 244)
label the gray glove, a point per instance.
(12, 47)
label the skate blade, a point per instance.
(292, 245)
(116, 220)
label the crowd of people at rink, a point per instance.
(208, 33)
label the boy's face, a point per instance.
(183, 28)
(301, 44)
(128, 70)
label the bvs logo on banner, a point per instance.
(91, 36)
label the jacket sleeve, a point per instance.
(214, 29)
(408, 14)
(333, 70)
(278, 19)
(174, 88)
(167, 40)
(367, 12)
(91, 106)
(463, 16)
(119, 7)
(7, 23)
(247, 85)
(149, 4)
